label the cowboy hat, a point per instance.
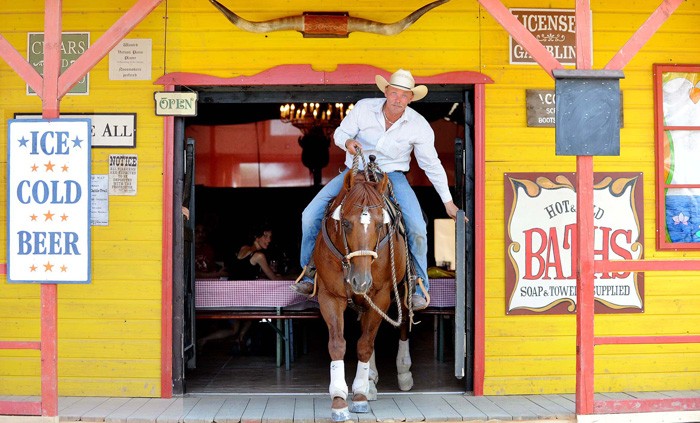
(403, 80)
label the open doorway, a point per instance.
(241, 148)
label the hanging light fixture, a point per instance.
(306, 116)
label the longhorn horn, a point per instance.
(295, 23)
(365, 25)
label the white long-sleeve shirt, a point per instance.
(393, 147)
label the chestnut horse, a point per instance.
(360, 260)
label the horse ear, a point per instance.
(349, 180)
(384, 183)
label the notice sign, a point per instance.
(122, 174)
(48, 202)
(540, 233)
(554, 28)
(130, 59)
(99, 200)
(73, 45)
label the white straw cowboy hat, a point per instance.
(403, 80)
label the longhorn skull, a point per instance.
(326, 24)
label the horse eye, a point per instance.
(346, 224)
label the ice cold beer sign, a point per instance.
(48, 196)
(541, 238)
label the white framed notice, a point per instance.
(131, 59)
(48, 204)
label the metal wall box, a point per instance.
(587, 112)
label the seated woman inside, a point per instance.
(249, 262)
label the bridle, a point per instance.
(365, 219)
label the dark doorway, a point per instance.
(221, 366)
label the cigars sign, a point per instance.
(540, 219)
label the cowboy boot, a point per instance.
(419, 302)
(304, 284)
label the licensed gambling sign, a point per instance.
(48, 201)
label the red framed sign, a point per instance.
(540, 231)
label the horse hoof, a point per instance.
(340, 414)
(405, 381)
(359, 407)
(372, 393)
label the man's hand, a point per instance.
(452, 210)
(352, 145)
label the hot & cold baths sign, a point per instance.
(48, 204)
(540, 219)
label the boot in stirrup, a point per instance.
(304, 285)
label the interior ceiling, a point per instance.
(239, 113)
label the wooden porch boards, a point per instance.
(415, 407)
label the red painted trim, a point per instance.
(584, 286)
(20, 345)
(166, 348)
(520, 34)
(659, 133)
(3, 268)
(583, 35)
(49, 350)
(52, 57)
(643, 34)
(645, 265)
(479, 238)
(104, 45)
(669, 339)
(20, 65)
(647, 405)
(20, 408)
(305, 75)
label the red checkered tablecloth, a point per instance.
(216, 293)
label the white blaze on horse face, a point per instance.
(336, 213)
(365, 218)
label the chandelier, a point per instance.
(314, 115)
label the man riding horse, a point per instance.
(390, 130)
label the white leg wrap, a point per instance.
(361, 383)
(338, 387)
(403, 358)
(373, 373)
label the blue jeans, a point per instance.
(410, 207)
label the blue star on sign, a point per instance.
(23, 142)
(77, 141)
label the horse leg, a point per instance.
(365, 351)
(332, 311)
(373, 379)
(403, 360)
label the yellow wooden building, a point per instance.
(115, 333)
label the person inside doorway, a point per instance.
(390, 130)
(250, 262)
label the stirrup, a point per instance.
(300, 285)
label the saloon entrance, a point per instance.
(219, 185)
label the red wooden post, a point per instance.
(585, 314)
(49, 297)
(584, 287)
(479, 237)
(166, 345)
(49, 350)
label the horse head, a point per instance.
(361, 222)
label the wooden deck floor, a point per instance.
(314, 409)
